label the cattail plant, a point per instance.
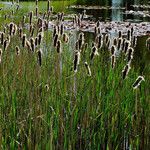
(93, 53)
(30, 17)
(15, 29)
(120, 34)
(61, 29)
(134, 41)
(54, 31)
(125, 71)
(88, 69)
(130, 54)
(17, 50)
(76, 60)
(28, 45)
(126, 45)
(36, 11)
(137, 82)
(32, 41)
(55, 40)
(11, 26)
(132, 30)
(2, 38)
(32, 31)
(129, 35)
(58, 47)
(36, 2)
(6, 44)
(97, 30)
(98, 40)
(24, 40)
(106, 39)
(119, 43)
(113, 49)
(115, 41)
(113, 61)
(40, 36)
(65, 38)
(81, 40)
(39, 53)
(40, 22)
(98, 24)
(36, 41)
(1, 52)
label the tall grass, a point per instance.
(48, 106)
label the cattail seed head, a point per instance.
(120, 34)
(39, 57)
(65, 38)
(130, 54)
(36, 41)
(28, 45)
(2, 38)
(11, 26)
(115, 41)
(76, 60)
(126, 71)
(39, 38)
(6, 44)
(61, 29)
(36, 11)
(55, 40)
(93, 53)
(30, 17)
(113, 50)
(137, 82)
(88, 69)
(129, 35)
(58, 47)
(126, 45)
(98, 40)
(119, 43)
(23, 40)
(113, 61)
(32, 41)
(17, 50)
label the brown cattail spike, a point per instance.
(76, 60)
(23, 40)
(58, 46)
(39, 57)
(113, 61)
(126, 71)
(55, 40)
(88, 69)
(93, 53)
(65, 38)
(138, 81)
(17, 50)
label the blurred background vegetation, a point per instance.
(96, 2)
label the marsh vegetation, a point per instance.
(72, 80)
